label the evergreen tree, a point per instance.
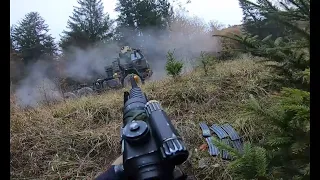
(137, 15)
(291, 51)
(87, 26)
(254, 22)
(286, 116)
(286, 141)
(144, 13)
(12, 48)
(30, 38)
(15, 64)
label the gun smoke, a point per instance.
(188, 37)
(37, 88)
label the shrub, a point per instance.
(284, 151)
(173, 67)
(206, 61)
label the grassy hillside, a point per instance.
(79, 139)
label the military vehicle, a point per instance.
(130, 61)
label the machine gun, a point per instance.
(151, 146)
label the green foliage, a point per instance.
(251, 165)
(306, 76)
(285, 146)
(290, 51)
(135, 16)
(254, 22)
(291, 59)
(286, 142)
(222, 146)
(145, 13)
(173, 67)
(30, 38)
(87, 26)
(206, 61)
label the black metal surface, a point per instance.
(230, 131)
(226, 134)
(205, 130)
(213, 150)
(219, 131)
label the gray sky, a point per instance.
(56, 12)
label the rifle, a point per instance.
(151, 146)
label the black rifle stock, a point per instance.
(151, 146)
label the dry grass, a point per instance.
(78, 139)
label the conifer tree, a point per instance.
(291, 51)
(286, 117)
(254, 22)
(31, 40)
(135, 16)
(87, 26)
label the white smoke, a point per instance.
(187, 36)
(86, 65)
(37, 88)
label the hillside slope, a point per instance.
(78, 139)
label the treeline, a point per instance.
(88, 26)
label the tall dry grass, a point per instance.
(78, 139)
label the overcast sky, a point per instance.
(57, 12)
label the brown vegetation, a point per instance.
(78, 139)
(227, 44)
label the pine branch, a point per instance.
(222, 146)
(291, 26)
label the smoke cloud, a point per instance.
(188, 37)
(87, 65)
(37, 88)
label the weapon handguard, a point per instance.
(150, 144)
